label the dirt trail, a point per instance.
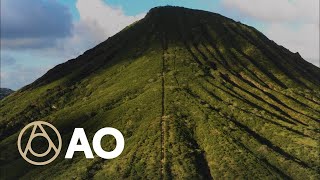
(162, 119)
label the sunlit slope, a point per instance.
(196, 96)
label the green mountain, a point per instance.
(195, 94)
(4, 92)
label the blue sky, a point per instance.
(36, 35)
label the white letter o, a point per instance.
(96, 143)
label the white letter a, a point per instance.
(84, 146)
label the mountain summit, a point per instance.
(195, 94)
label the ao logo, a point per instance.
(28, 148)
(78, 136)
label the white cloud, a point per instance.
(108, 20)
(303, 39)
(291, 23)
(97, 22)
(306, 11)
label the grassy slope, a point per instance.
(233, 104)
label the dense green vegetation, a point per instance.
(196, 95)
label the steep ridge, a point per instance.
(196, 95)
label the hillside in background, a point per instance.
(195, 94)
(4, 92)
